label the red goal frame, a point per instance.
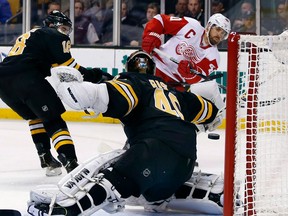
(251, 128)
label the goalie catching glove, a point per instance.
(84, 95)
(69, 74)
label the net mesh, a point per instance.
(261, 151)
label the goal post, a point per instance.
(256, 143)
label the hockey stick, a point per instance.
(184, 84)
(207, 78)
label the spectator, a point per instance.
(52, 5)
(5, 11)
(181, 8)
(84, 31)
(88, 4)
(106, 24)
(245, 7)
(98, 14)
(280, 23)
(217, 6)
(248, 23)
(152, 10)
(129, 29)
(195, 10)
(126, 19)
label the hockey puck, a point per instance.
(213, 136)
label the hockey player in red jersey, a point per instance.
(23, 87)
(192, 45)
(159, 124)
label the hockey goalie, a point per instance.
(156, 171)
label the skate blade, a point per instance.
(53, 171)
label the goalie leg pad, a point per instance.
(76, 180)
(102, 196)
(203, 186)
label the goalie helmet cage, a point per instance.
(256, 143)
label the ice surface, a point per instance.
(20, 167)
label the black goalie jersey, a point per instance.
(149, 109)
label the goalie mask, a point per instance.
(60, 21)
(140, 62)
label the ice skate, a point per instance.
(68, 163)
(53, 167)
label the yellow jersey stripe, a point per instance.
(63, 142)
(127, 92)
(208, 112)
(77, 66)
(67, 63)
(37, 131)
(201, 111)
(36, 121)
(60, 133)
(130, 91)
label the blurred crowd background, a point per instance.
(93, 19)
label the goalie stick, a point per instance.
(207, 78)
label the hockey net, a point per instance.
(256, 148)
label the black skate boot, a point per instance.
(68, 163)
(53, 167)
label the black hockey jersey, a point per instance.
(148, 108)
(38, 50)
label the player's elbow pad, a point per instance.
(85, 95)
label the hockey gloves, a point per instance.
(151, 41)
(184, 67)
(95, 75)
